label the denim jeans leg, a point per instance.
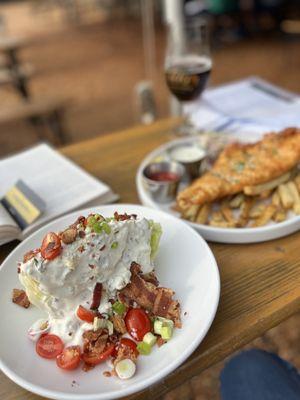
(259, 375)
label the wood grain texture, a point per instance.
(260, 283)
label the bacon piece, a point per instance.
(79, 220)
(157, 300)
(119, 324)
(96, 296)
(94, 341)
(124, 217)
(19, 297)
(30, 254)
(151, 278)
(87, 367)
(160, 342)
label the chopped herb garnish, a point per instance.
(114, 245)
(239, 166)
(119, 308)
(106, 227)
(35, 261)
(144, 348)
(97, 228)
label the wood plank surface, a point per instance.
(260, 283)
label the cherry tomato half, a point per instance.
(70, 358)
(51, 246)
(93, 358)
(85, 315)
(126, 343)
(49, 346)
(137, 323)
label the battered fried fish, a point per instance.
(240, 165)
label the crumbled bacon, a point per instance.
(123, 217)
(157, 300)
(81, 234)
(92, 266)
(19, 297)
(79, 221)
(97, 294)
(102, 248)
(68, 236)
(94, 341)
(125, 300)
(160, 341)
(30, 254)
(151, 278)
(87, 367)
(125, 352)
(119, 324)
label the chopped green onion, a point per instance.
(119, 308)
(164, 327)
(114, 245)
(166, 332)
(157, 326)
(96, 324)
(144, 348)
(97, 228)
(104, 324)
(150, 339)
(99, 217)
(106, 227)
(91, 220)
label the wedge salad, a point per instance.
(96, 283)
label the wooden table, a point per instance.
(260, 283)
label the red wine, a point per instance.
(188, 77)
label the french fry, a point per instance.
(280, 215)
(265, 194)
(265, 217)
(203, 213)
(217, 216)
(245, 210)
(237, 200)
(258, 189)
(296, 209)
(294, 192)
(286, 197)
(257, 211)
(297, 182)
(276, 198)
(221, 224)
(191, 212)
(227, 213)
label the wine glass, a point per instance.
(188, 65)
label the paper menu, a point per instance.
(252, 105)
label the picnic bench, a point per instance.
(47, 112)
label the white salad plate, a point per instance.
(222, 235)
(184, 263)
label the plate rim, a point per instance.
(155, 377)
(208, 232)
